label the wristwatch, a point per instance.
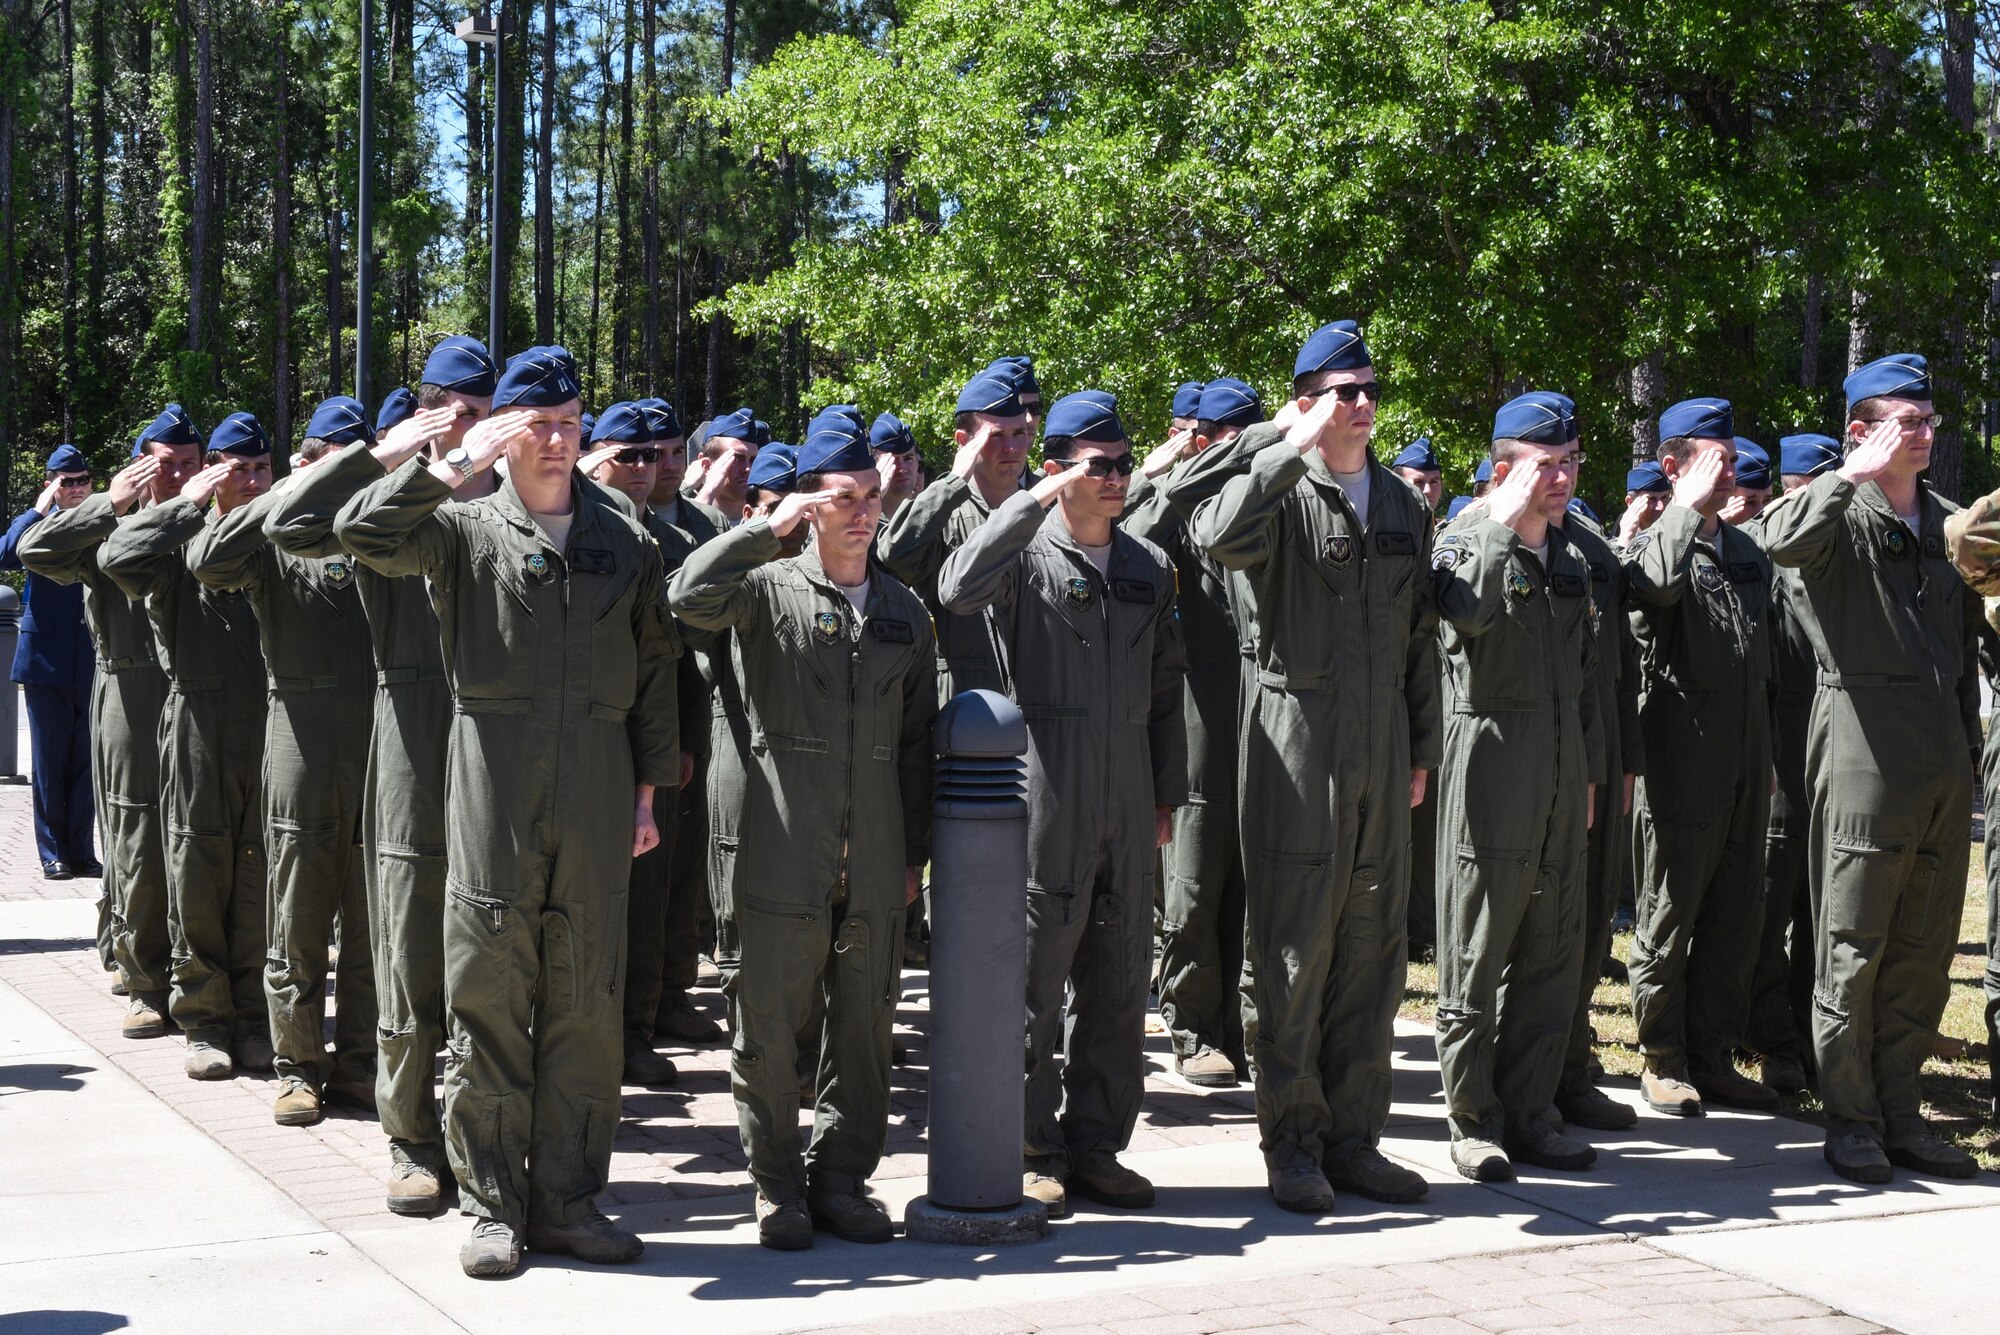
(460, 458)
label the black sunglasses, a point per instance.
(638, 455)
(82, 481)
(1103, 465)
(1349, 393)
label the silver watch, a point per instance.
(460, 458)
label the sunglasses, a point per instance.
(638, 456)
(1102, 465)
(1349, 393)
(83, 481)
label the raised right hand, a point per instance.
(129, 483)
(201, 488)
(797, 506)
(1872, 457)
(1513, 494)
(967, 457)
(1698, 482)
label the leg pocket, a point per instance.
(1915, 915)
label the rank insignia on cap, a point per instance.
(1520, 586)
(1896, 542)
(338, 571)
(1340, 550)
(1077, 592)
(1708, 577)
(826, 625)
(537, 564)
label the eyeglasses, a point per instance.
(1907, 424)
(83, 481)
(1102, 465)
(638, 456)
(1349, 393)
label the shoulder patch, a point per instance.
(1639, 544)
(1447, 558)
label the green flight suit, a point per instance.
(402, 810)
(1607, 856)
(126, 701)
(662, 907)
(1520, 742)
(315, 639)
(913, 546)
(1201, 955)
(1973, 542)
(1781, 992)
(831, 798)
(1097, 668)
(1700, 609)
(211, 773)
(1890, 773)
(562, 669)
(1339, 706)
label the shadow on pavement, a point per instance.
(32, 1077)
(47, 1322)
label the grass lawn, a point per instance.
(1955, 1092)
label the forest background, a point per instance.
(787, 203)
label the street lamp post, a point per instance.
(486, 29)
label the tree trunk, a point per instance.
(1648, 394)
(281, 245)
(621, 332)
(715, 261)
(545, 194)
(100, 185)
(510, 178)
(475, 173)
(1948, 448)
(649, 205)
(201, 232)
(1809, 331)
(333, 300)
(13, 85)
(67, 375)
(1858, 339)
(597, 204)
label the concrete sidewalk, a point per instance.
(135, 1198)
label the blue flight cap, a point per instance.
(399, 405)
(836, 442)
(1709, 418)
(739, 425)
(992, 392)
(1483, 470)
(776, 469)
(339, 420)
(240, 433)
(68, 459)
(1902, 375)
(889, 435)
(462, 363)
(1808, 455)
(1333, 347)
(1579, 506)
(1187, 399)
(1648, 476)
(1418, 454)
(586, 423)
(1753, 466)
(1020, 370)
(1458, 503)
(622, 423)
(172, 427)
(541, 377)
(1539, 417)
(662, 420)
(1228, 402)
(760, 433)
(1088, 414)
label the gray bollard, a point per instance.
(10, 694)
(978, 983)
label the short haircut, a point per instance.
(1509, 448)
(1675, 447)
(809, 482)
(432, 396)
(712, 448)
(312, 447)
(1305, 384)
(1868, 410)
(1058, 447)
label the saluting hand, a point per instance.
(45, 504)
(597, 458)
(1303, 434)
(401, 441)
(1514, 494)
(1698, 482)
(1637, 515)
(1872, 457)
(967, 457)
(201, 488)
(1163, 459)
(799, 505)
(1055, 484)
(129, 483)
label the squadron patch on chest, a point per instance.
(1708, 577)
(536, 564)
(1520, 586)
(338, 571)
(1896, 542)
(1340, 550)
(1077, 592)
(826, 626)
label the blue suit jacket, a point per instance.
(54, 648)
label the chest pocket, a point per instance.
(1069, 601)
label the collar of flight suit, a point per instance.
(809, 565)
(1930, 514)
(507, 503)
(1057, 532)
(1322, 477)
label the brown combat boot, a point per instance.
(1666, 1089)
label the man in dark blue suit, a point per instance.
(53, 663)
